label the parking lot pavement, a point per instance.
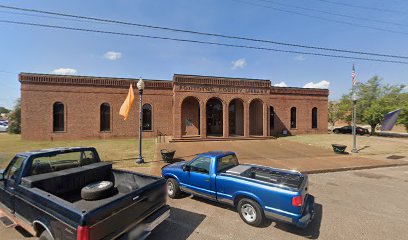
(366, 204)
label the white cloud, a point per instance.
(281, 84)
(300, 58)
(64, 71)
(240, 63)
(322, 84)
(111, 55)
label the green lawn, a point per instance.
(120, 151)
(367, 145)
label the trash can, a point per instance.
(167, 155)
(338, 148)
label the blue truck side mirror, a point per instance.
(186, 168)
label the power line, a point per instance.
(335, 14)
(200, 42)
(49, 17)
(362, 7)
(322, 18)
(204, 33)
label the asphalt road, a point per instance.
(366, 204)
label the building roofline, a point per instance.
(88, 76)
(227, 78)
(301, 88)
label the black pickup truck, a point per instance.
(68, 193)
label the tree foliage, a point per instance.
(4, 110)
(15, 119)
(374, 100)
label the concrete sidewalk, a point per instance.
(278, 153)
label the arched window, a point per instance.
(271, 118)
(293, 117)
(58, 117)
(314, 117)
(105, 117)
(147, 117)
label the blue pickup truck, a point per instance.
(258, 192)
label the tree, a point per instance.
(4, 110)
(345, 108)
(333, 112)
(403, 117)
(375, 100)
(15, 119)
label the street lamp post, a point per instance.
(140, 86)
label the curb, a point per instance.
(344, 169)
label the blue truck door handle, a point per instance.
(207, 179)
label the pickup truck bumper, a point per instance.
(308, 213)
(301, 220)
(146, 227)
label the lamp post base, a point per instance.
(354, 150)
(139, 160)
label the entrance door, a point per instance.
(214, 117)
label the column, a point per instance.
(246, 119)
(225, 120)
(177, 119)
(265, 122)
(203, 120)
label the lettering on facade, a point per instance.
(220, 89)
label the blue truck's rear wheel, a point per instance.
(173, 188)
(250, 212)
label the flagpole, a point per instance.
(354, 115)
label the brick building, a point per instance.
(55, 107)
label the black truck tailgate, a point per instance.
(125, 212)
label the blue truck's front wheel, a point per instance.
(173, 188)
(250, 212)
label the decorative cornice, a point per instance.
(223, 81)
(90, 81)
(299, 91)
(51, 79)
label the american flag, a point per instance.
(353, 76)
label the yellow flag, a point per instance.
(127, 104)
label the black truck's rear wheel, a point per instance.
(173, 188)
(250, 212)
(97, 190)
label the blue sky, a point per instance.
(31, 49)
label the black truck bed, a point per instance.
(67, 184)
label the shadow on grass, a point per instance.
(179, 226)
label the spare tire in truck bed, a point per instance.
(97, 190)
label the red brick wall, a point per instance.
(82, 112)
(83, 96)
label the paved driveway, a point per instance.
(366, 204)
(280, 153)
